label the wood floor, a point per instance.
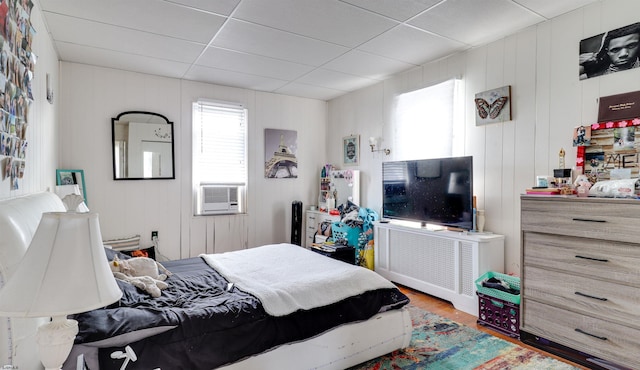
(446, 309)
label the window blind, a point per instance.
(220, 143)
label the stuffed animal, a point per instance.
(139, 266)
(146, 283)
(141, 272)
(582, 185)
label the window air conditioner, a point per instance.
(218, 199)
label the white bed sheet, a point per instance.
(312, 281)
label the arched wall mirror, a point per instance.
(142, 146)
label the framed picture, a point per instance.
(351, 150)
(609, 52)
(280, 148)
(493, 106)
(72, 177)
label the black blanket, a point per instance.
(214, 326)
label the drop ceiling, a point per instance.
(318, 49)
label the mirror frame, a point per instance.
(115, 120)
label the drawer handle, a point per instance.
(591, 296)
(588, 220)
(592, 259)
(589, 334)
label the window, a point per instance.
(219, 157)
(428, 122)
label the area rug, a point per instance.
(439, 343)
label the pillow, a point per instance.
(124, 243)
(112, 253)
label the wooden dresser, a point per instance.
(581, 274)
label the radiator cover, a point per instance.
(444, 264)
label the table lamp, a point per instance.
(64, 271)
(69, 195)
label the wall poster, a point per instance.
(609, 52)
(280, 148)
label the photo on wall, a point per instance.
(594, 161)
(609, 52)
(624, 138)
(582, 136)
(280, 147)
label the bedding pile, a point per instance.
(204, 320)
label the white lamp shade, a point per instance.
(64, 271)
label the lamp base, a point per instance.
(55, 340)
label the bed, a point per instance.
(215, 313)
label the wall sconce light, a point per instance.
(373, 142)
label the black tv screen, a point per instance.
(432, 191)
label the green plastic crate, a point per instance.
(513, 281)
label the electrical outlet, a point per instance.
(154, 235)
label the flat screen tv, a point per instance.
(435, 191)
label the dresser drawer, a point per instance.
(609, 220)
(609, 301)
(597, 337)
(608, 260)
(313, 220)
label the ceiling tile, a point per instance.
(108, 37)
(553, 8)
(252, 64)
(398, 10)
(166, 18)
(411, 45)
(309, 91)
(128, 62)
(259, 40)
(235, 79)
(476, 21)
(363, 64)
(328, 20)
(335, 80)
(224, 7)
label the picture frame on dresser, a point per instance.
(72, 177)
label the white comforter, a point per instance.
(287, 278)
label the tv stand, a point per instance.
(456, 229)
(442, 263)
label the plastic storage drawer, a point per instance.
(499, 315)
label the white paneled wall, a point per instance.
(91, 96)
(42, 132)
(548, 101)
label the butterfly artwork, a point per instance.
(493, 106)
